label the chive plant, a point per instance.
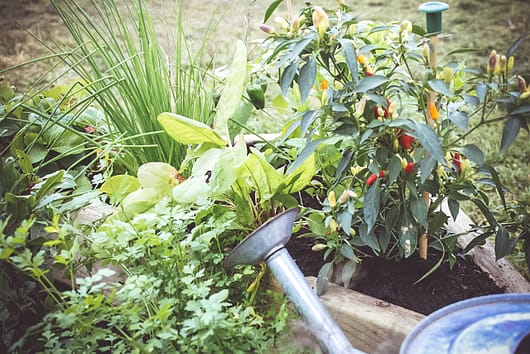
(122, 63)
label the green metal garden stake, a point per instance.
(433, 11)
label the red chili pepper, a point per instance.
(382, 174)
(409, 167)
(457, 161)
(387, 109)
(406, 141)
(371, 180)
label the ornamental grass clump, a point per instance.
(360, 92)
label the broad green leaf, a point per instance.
(91, 116)
(454, 207)
(261, 175)
(482, 91)
(300, 178)
(426, 167)
(473, 153)
(298, 48)
(37, 153)
(429, 141)
(306, 152)
(344, 163)
(503, 243)
(345, 220)
(159, 176)
(19, 206)
(521, 110)
(370, 83)
(394, 169)
(419, 210)
(306, 78)
(498, 184)
(485, 211)
(348, 270)
(368, 238)
(227, 168)
(371, 205)
(280, 104)
(68, 143)
(235, 85)
(6, 93)
(440, 87)
(316, 223)
(194, 190)
(437, 221)
(213, 174)
(24, 162)
(347, 251)
(240, 117)
(137, 202)
(324, 277)
(460, 119)
(351, 58)
(510, 131)
(288, 77)
(189, 131)
(307, 119)
(119, 186)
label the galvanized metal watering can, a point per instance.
(267, 244)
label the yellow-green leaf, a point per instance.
(235, 85)
(189, 131)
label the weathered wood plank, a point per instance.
(371, 325)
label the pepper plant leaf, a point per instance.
(371, 205)
(440, 87)
(351, 58)
(503, 243)
(288, 77)
(430, 142)
(510, 131)
(306, 78)
(370, 83)
(324, 277)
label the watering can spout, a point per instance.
(267, 244)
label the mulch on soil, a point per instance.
(393, 281)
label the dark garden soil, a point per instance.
(394, 281)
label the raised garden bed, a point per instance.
(376, 323)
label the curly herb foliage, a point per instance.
(171, 293)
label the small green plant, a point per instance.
(387, 154)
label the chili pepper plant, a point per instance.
(358, 92)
